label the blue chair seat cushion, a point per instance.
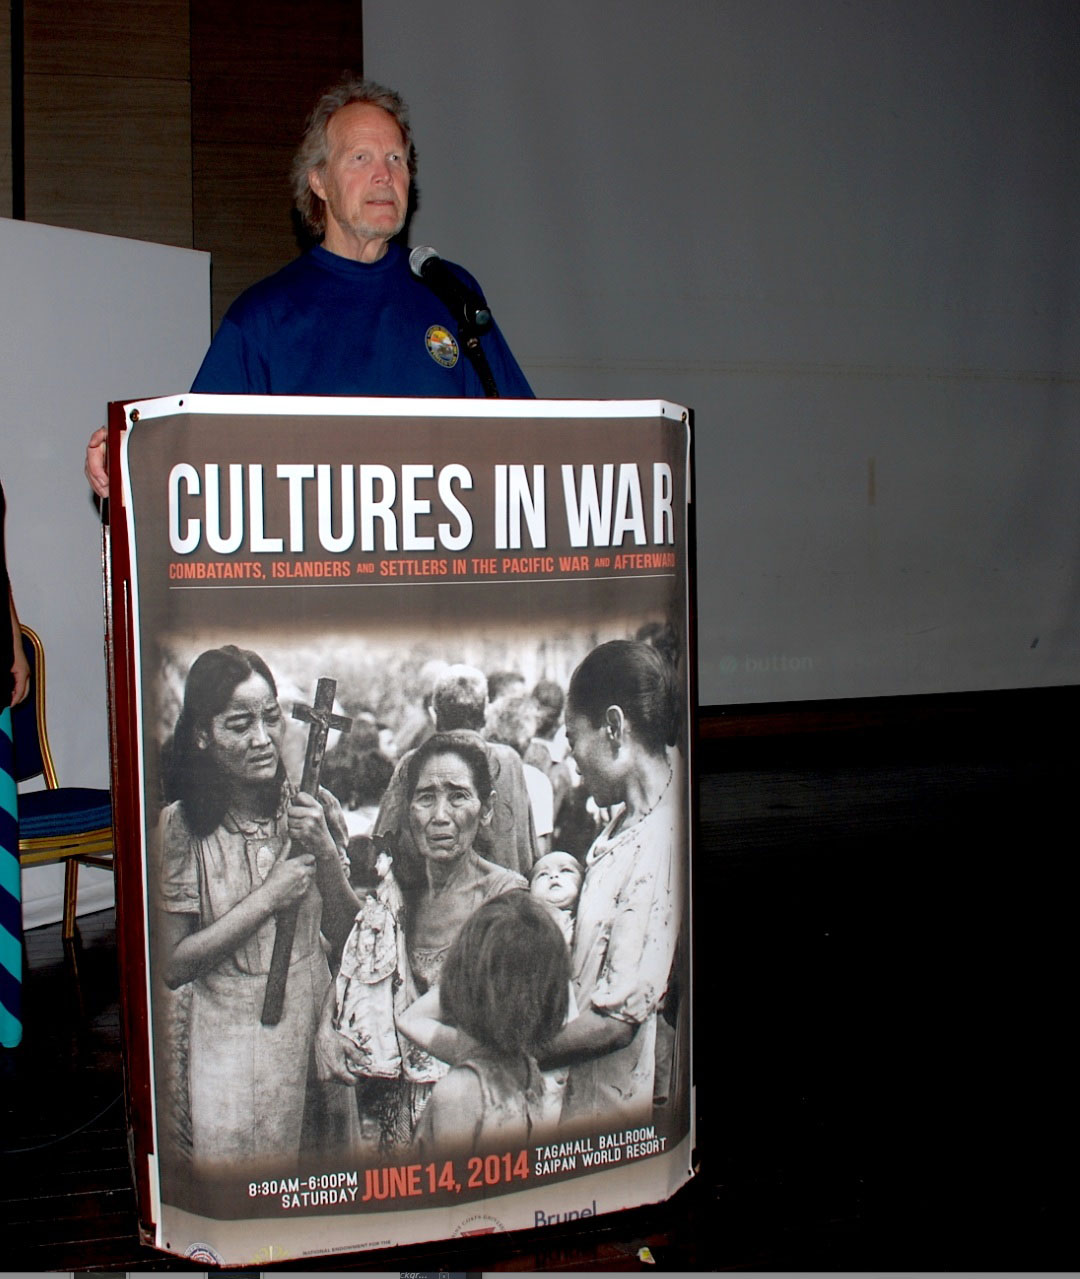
(68, 810)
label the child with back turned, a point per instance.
(503, 994)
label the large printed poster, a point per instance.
(411, 701)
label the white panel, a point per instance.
(846, 236)
(84, 319)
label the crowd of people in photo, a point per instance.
(488, 914)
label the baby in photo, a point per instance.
(555, 880)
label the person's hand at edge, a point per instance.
(95, 463)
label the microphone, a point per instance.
(427, 266)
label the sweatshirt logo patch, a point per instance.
(442, 346)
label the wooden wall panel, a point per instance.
(5, 111)
(144, 39)
(110, 155)
(256, 70)
(246, 225)
(175, 120)
(108, 117)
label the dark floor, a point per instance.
(884, 1016)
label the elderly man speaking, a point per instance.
(349, 316)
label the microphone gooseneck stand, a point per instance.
(462, 301)
(469, 336)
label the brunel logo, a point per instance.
(574, 1214)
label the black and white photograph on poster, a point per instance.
(418, 924)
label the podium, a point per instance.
(359, 542)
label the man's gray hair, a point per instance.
(312, 152)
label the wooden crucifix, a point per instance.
(320, 715)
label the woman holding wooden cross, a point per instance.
(229, 867)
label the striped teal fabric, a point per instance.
(10, 896)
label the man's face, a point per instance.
(364, 182)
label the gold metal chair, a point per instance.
(72, 824)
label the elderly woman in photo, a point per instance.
(507, 835)
(621, 720)
(450, 797)
(229, 864)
